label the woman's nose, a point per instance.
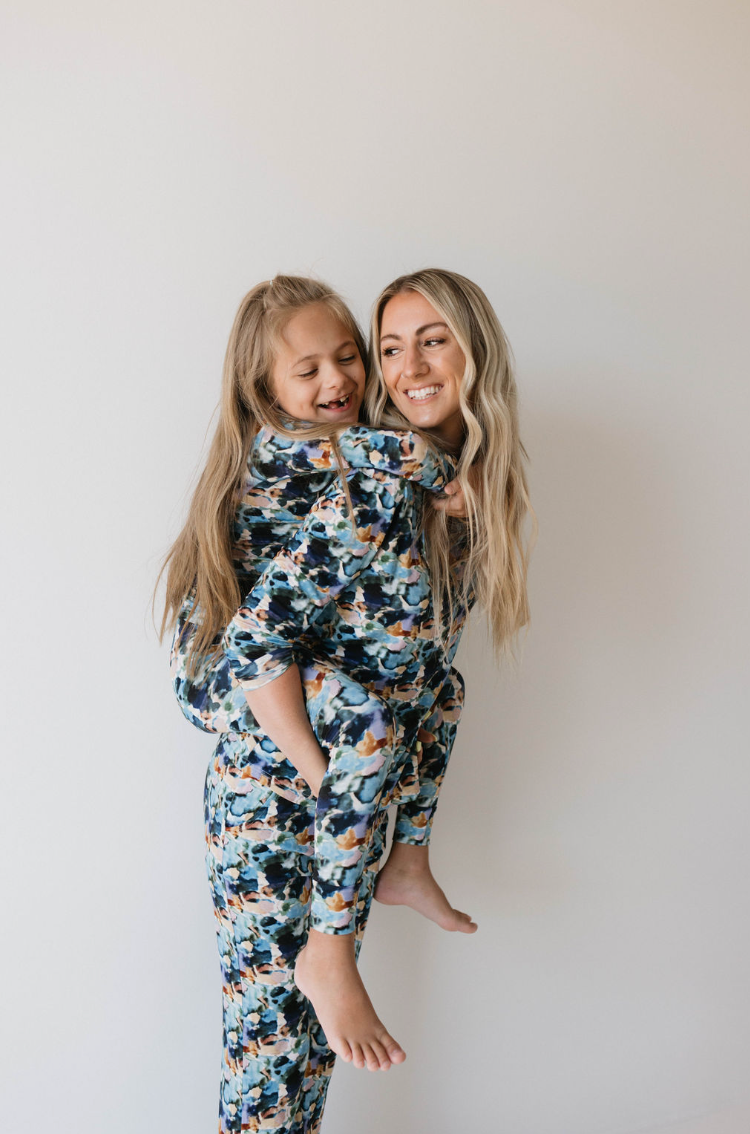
(413, 363)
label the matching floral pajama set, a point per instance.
(346, 597)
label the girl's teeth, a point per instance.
(419, 395)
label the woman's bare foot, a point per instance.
(326, 973)
(407, 880)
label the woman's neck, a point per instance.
(452, 434)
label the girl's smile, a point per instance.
(318, 374)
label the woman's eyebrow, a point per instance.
(419, 331)
(311, 357)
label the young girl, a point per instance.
(374, 675)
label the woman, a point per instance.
(404, 878)
(293, 353)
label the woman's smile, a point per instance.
(422, 393)
(423, 365)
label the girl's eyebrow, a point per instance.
(310, 357)
(419, 331)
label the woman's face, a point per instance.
(318, 374)
(422, 365)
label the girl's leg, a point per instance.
(358, 731)
(415, 817)
(321, 1057)
(407, 879)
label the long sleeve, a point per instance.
(397, 452)
(325, 555)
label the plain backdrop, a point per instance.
(586, 162)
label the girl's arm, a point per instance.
(279, 708)
(323, 557)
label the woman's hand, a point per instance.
(452, 501)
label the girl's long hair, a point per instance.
(200, 560)
(500, 525)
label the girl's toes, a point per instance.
(395, 1053)
(371, 1059)
(381, 1055)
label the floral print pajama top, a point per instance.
(346, 597)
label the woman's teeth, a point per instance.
(425, 392)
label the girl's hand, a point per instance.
(452, 501)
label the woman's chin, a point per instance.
(423, 416)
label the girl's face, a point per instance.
(318, 374)
(422, 365)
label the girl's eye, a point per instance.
(349, 358)
(308, 373)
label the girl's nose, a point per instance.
(336, 381)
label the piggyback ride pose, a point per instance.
(439, 363)
(276, 1058)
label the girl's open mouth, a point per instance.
(341, 404)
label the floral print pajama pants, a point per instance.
(280, 862)
(260, 850)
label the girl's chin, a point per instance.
(343, 417)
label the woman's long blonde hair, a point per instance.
(200, 560)
(494, 563)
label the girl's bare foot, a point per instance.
(407, 880)
(326, 973)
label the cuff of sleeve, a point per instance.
(249, 680)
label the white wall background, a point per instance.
(587, 163)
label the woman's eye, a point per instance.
(433, 342)
(388, 352)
